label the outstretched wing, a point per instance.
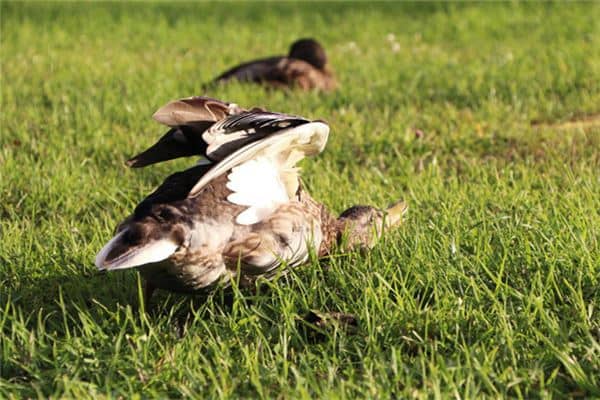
(211, 128)
(232, 133)
(262, 175)
(188, 118)
(258, 185)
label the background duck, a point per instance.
(240, 219)
(304, 67)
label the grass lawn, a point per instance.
(491, 288)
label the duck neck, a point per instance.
(332, 229)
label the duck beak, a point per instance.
(395, 213)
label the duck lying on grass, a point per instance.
(240, 218)
(304, 67)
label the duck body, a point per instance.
(253, 71)
(305, 67)
(241, 218)
(213, 249)
(282, 72)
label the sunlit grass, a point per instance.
(489, 289)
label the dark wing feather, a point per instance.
(232, 133)
(253, 71)
(189, 118)
(175, 188)
(180, 141)
(211, 128)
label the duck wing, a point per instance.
(262, 175)
(188, 118)
(236, 131)
(194, 109)
(253, 71)
(211, 128)
(180, 141)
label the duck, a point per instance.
(209, 128)
(305, 67)
(245, 217)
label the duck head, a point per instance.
(309, 50)
(363, 226)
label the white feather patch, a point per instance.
(304, 140)
(215, 141)
(258, 185)
(155, 251)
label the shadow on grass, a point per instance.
(63, 301)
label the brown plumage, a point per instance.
(304, 67)
(240, 219)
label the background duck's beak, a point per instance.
(395, 213)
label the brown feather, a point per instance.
(305, 67)
(293, 72)
(253, 71)
(194, 109)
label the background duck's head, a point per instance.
(363, 226)
(309, 50)
(145, 239)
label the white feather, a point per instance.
(101, 256)
(204, 161)
(304, 140)
(155, 251)
(258, 185)
(215, 141)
